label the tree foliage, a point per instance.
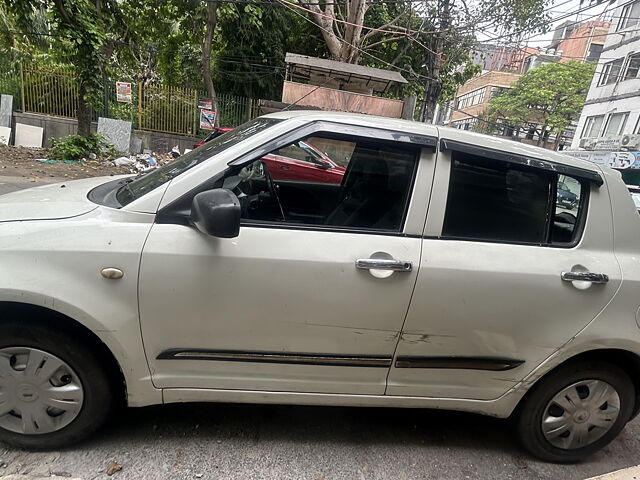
(241, 46)
(81, 32)
(438, 34)
(546, 98)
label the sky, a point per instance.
(562, 8)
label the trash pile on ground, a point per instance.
(37, 165)
(140, 163)
(147, 161)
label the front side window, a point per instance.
(501, 202)
(358, 183)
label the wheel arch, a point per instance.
(626, 360)
(27, 313)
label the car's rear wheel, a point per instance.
(575, 411)
(53, 389)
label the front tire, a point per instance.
(575, 411)
(53, 389)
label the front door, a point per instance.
(284, 306)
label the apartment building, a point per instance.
(473, 98)
(610, 119)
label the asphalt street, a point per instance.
(222, 441)
(11, 184)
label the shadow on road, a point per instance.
(331, 425)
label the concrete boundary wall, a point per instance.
(59, 127)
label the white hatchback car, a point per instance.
(441, 272)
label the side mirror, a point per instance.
(217, 213)
(322, 165)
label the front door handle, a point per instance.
(383, 264)
(584, 277)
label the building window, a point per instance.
(474, 97)
(616, 123)
(595, 49)
(611, 72)
(629, 15)
(497, 91)
(633, 66)
(592, 126)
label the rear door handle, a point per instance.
(584, 277)
(383, 264)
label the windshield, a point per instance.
(139, 186)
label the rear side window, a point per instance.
(497, 201)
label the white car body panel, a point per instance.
(57, 266)
(57, 201)
(197, 291)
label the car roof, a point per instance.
(409, 126)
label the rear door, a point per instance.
(491, 300)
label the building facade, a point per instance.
(611, 115)
(473, 98)
(584, 41)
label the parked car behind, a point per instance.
(565, 197)
(438, 273)
(299, 161)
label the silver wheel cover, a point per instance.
(39, 392)
(580, 414)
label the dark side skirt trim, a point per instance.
(276, 357)
(462, 363)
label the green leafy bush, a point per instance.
(74, 147)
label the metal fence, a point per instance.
(10, 82)
(153, 107)
(49, 91)
(168, 109)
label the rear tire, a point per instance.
(55, 388)
(575, 411)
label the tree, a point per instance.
(437, 28)
(81, 30)
(545, 99)
(251, 44)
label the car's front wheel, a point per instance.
(575, 411)
(53, 389)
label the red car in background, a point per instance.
(303, 162)
(216, 132)
(300, 161)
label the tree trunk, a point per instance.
(558, 138)
(84, 112)
(212, 18)
(353, 33)
(343, 49)
(542, 136)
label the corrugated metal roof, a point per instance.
(324, 65)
